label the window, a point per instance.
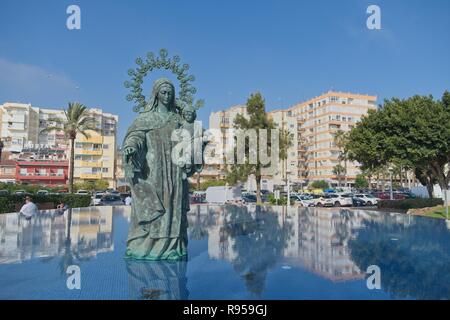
(105, 146)
(23, 172)
(105, 170)
(78, 145)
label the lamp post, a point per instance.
(391, 192)
(288, 188)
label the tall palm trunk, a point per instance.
(345, 174)
(258, 188)
(71, 163)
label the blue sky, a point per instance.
(288, 50)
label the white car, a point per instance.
(83, 192)
(368, 199)
(342, 200)
(97, 199)
(324, 201)
(303, 200)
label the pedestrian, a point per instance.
(29, 209)
(61, 207)
(128, 200)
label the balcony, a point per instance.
(91, 164)
(52, 176)
(95, 139)
(90, 152)
(90, 176)
(46, 163)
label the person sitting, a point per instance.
(29, 209)
(61, 207)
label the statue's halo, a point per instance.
(163, 61)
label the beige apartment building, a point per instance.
(95, 157)
(313, 124)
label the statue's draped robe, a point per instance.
(158, 228)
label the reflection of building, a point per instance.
(90, 232)
(318, 240)
(21, 129)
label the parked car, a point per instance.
(20, 192)
(303, 200)
(358, 202)
(324, 201)
(249, 198)
(111, 200)
(367, 198)
(97, 199)
(4, 192)
(83, 192)
(194, 198)
(42, 192)
(342, 200)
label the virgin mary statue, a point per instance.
(158, 227)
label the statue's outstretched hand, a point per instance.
(129, 153)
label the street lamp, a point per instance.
(391, 193)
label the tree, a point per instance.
(361, 182)
(341, 140)
(414, 132)
(320, 184)
(338, 171)
(257, 119)
(286, 142)
(77, 120)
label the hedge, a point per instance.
(10, 203)
(415, 203)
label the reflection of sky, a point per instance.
(234, 253)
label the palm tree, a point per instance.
(286, 142)
(77, 120)
(338, 170)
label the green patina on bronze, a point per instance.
(159, 187)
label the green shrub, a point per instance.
(407, 204)
(11, 202)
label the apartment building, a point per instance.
(321, 118)
(95, 157)
(221, 121)
(313, 125)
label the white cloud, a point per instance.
(23, 81)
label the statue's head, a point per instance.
(163, 92)
(189, 114)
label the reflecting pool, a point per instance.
(235, 252)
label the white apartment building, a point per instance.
(95, 158)
(313, 124)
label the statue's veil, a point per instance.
(153, 101)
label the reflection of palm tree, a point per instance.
(416, 265)
(69, 257)
(258, 242)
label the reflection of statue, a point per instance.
(162, 280)
(158, 227)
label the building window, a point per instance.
(105, 170)
(105, 146)
(78, 145)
